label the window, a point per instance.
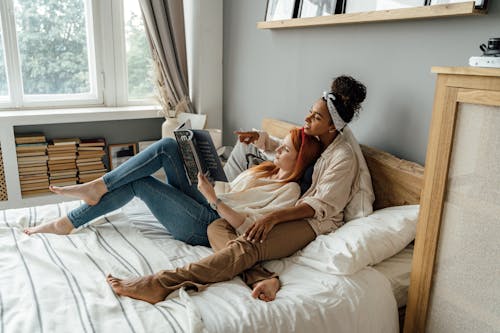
(71, 53)
(139, 61)
(4, 89)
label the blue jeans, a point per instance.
(179, 206)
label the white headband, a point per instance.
(337, 120)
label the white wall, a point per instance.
(204, 35)
(281, 73)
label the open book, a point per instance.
(198, 154)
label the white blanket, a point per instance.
(51, 283)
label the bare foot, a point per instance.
(266, 290)
(145, 288)
(63, 226)
(90, 192)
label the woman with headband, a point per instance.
(281, 232)
(255, 192)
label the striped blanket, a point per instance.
(51, 283)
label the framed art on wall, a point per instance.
(313, 8)
(120, 153)
(281, 9)
(477, 3)
(355, 6)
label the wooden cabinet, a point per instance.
(455, 279)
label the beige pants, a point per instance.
(235, 255)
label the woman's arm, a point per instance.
(230, 215)
(259, 230)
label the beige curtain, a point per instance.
(164, 23)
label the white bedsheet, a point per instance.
(51, 283)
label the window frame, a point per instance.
(109, 63)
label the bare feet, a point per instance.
(90, 192)
(145, 288)
(266, 290)
(63, 226)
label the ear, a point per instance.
(332, 128)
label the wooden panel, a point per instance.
(477, 71)
(453, 9)
(396, 182)
(431, 205)
(491, 98)
(276, 127)
(442, 132)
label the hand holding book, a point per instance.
(206, 188)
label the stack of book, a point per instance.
(62, 161)
(89, 160)
(31, 152)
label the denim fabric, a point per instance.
(180, 207)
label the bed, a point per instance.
(51, 283)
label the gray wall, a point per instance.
(280, 73)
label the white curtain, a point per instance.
(164, 23)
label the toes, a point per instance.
(256, 292)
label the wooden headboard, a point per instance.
(395, 181)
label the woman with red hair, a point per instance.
(335, 190)
(187, 215)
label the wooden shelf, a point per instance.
(454, 9)
(478, 71)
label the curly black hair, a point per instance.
(351, 92)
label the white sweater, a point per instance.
(255, 197)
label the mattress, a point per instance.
(396, 269)
(51, 283)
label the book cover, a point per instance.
(99, 166)
(31, 153)
(30, 138)
(63, 166)
(62, 157)
(27, 193)
(65, 141)
(199, 154)
(70, 174)
(94, 142)
(92, 171)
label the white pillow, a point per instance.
(362, 201)
(361, 242)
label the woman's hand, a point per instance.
(247, 136)
(260, 229)
(206, 188)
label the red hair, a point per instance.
(308, 150)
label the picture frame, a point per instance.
(119, 153)
(479, 4)
(314, 8)
(141, 146)
(354, 6)
(281, 9)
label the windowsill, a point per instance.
(48, 116)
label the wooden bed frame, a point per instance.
(396, 182)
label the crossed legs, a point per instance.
(237, 257)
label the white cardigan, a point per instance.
(255, 197)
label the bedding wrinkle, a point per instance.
(117, 298)
(30, 278)
(130, 244)
(63, 269)
(109, 249)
